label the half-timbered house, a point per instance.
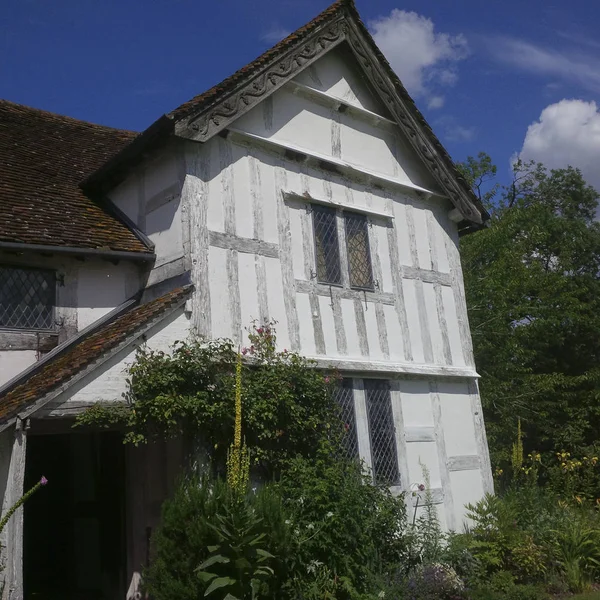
(306, 188)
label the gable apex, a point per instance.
(210, 113)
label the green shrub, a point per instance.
(343, 525)
(205, 520)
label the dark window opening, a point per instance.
(384, 456)
(27, 298)
(327, 250)
(359, 256)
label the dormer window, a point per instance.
(326, 223)
(27, 298)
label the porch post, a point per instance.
(14, 546)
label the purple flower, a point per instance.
(43, 480)
(421, 487)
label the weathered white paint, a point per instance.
(101, 287)
(107, 383)
(12, 362)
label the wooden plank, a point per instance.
(285, 257)
(437, 497)
(456, 279)
(436, 407)
(227, 185)
(421, 307)
(14, 528)
(469, 462)
(228, 241)
(256, 195)
(315, 310)
(361, 327)
(235, 306)
(195, 195)
(28, 340)
(362, 422)
(399, 303)
(420, 434)
(393, 368)
(481, 438)
(261, 288)
(321, 289)
(338, 323)
(397, 413)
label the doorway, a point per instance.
(74, 527)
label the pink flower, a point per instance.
(421, 487)
(327, 379)
(244, 351)
(259, 330)
(346, 426)
(43, 480)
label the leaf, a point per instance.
(205, 576)
(218, 583)
(216, 559)
(264, 553)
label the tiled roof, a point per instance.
(165, 125)
(61, 368)
(43, 157)
(202, 100)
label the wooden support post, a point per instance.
(13, 589)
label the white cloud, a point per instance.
(570, 65)
(567, 133)
(424, 59)
(275, 34)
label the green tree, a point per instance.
(533, 296)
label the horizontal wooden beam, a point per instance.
(308, 199)
(325, 99)
(325, 162)
(228, 241)
(391, 369)
(322, 289)
(419, 434)
(464, 463)
(437, 497)
(28, 340)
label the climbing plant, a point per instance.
(190, 391)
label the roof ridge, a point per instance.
(48, 113)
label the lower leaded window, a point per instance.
(382, 432)
(27, 298)
(380, 421)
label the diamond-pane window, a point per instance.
(344, 396)
(384, 457)
(359, 257)
(326, 245)
(27, 298)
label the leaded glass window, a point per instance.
(384, 456)
(326, 245)
(344, 396)
(359, 257)
(27, 298)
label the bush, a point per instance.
(343, 526)
(205, 520)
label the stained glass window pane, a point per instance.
(359, 256)
(384, 457)
(27, 298)
(344, 396)
(326, 245)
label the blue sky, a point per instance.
(505, 77)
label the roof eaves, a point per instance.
(115, 169)
(94, 364)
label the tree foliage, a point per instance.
(533, 296)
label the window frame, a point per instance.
(340, 214)
(53, 281)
